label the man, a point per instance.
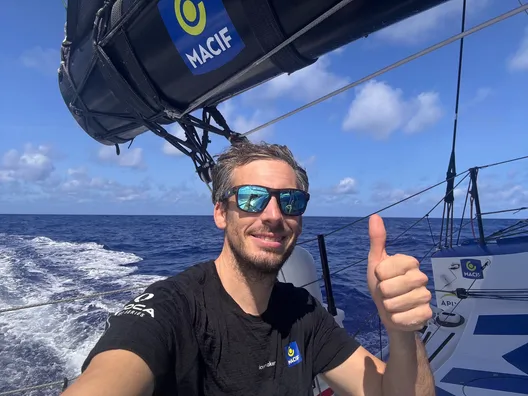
(227, 327)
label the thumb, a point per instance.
(378, 238)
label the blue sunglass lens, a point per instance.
(293, 202)
(252, 198)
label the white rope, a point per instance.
(198, 102)
(88, 296)
(35, 387)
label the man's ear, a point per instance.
(220, 215)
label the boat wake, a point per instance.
(46, 343)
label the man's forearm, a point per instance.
(407, 372)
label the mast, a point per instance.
(449, 198)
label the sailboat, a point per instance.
(134, 66)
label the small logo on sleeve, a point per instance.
(135, 308)
(293, 355)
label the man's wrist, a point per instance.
(401, 339)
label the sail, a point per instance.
(129, 65)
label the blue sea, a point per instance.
(51, 257)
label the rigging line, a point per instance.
(463, 213)
(195, 104)
(508, 235)
(414, 195)
(505, 210)
(521, 3)
(393, 66)
(391, 242)
(431, 230)
(514, 227)
(503, 162)
(359, 262)
(11, 309)
(451, 169)
(35, 387)
(401, 201)
(484, 290)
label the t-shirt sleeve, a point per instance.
(146, 326)
(332, 344)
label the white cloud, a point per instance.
(33, 164)
(347, 185)
(519, 61)
(45, 60)
(420, 27)
(306, 84)
(425, 110)
(79, 186)
(127, 158)
(497, 194)
(379, 110)
(480, 96)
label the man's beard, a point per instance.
(255, 268)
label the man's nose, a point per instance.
(272, 211)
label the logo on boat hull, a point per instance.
(293, 355)
(206, 39)
(472, 269)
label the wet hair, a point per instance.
(243, 153)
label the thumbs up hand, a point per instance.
(396, 284)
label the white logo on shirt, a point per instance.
(269, 364)
(138, 309)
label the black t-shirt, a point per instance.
(198, 341)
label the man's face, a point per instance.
(260, 242)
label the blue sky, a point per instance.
(363, 149)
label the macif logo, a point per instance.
(472, 269)
(205, 38)
(293, 356)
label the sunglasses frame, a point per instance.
(272, 192)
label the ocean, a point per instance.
(51, 257)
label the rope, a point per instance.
(416, 194)
(36, 387)
(431, 230)
(364, 259)
(286, 42)
(505, 210)
(393, 66)
(387, 207)
(88, 296)
(503, 162)
(451, 168)
(496, 294)
(521, 3)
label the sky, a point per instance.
(364, 149)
